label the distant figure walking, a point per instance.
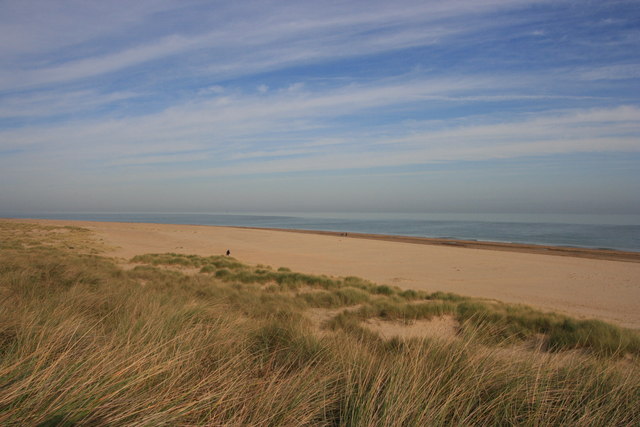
(228, 252)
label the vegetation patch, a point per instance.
(85, 342)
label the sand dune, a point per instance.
(579, 286)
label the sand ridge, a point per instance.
(578, 286)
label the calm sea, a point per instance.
(589, 231)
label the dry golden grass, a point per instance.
(83, 341)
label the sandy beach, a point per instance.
(581, 283)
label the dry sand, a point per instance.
(585, 284)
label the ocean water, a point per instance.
(588, 231)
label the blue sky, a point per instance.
(425, 106)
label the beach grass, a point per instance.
(177, 339)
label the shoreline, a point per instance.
(571, 251)
(566, 251)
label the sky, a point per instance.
(373, 106)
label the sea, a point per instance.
(620, 232)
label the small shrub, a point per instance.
(287, 346)
(208, 269)
(351, 296)
(446, 296)
(409, 294)
(603, 338)
(223, 274)
(321, 299)
(383, 290)
(272, 288)
(357, 282)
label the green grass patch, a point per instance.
(341, 297)
(502, 322)
(195, 261)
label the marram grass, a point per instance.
(188, 340)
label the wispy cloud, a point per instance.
(280, 39)
(611, 72)
(193, 90)
(218, 117)
(54, 103)
(252, 134)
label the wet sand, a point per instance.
(580, 282)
